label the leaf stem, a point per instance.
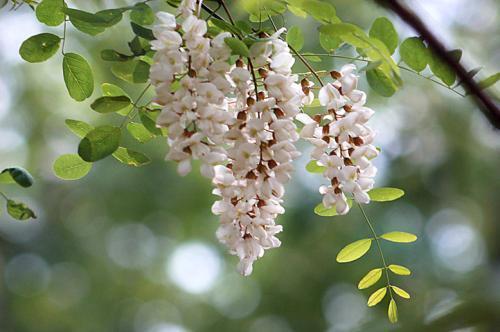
(64, 36)
(376, 237)
(134, 103)
(4, 196)
(400, 66)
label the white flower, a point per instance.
(330, 97)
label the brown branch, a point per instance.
(487, 105)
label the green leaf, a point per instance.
(313, 167)
(328, 42)
(19, 211)
(71, 167)
(79, 128)
(18, 175)
(370, 278)
(297, 11)
(237, 46)
(111, 16)
(112, 55)
(110, 104)
(392, 312)
(384, 30)
(295, 38)
(444, 72)
(377, 296)
(134, 71)
(399, 269)
(142, 31)
(130, 157)
(85, 27)
(3, 3)
(321, 210)
(414, 53)
(321, 11)
(385, 194)
(50, 12)
(77, 76)
(139, 132)
(6, 178)
(142, 14)
(354, 250)
(149, 123)
(112, 90)
(400, 237)
(226, 26)
(487, 82)
(99, 143)
(260, 10)
(380, 82)
(40, 47)
(400, 292)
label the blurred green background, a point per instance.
(128, 249)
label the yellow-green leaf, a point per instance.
(79, 128)
(313, 167)
(354, 250)
(71, 167)
(385, 194)
(321, 210)
(398, 269)
(400, 292)
(401, 237)
(131, 157)
(370, 278)
(392, 313)
(295, 38)
(377, 296)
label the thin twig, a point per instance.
(400, 66)
(488, 106)
(375, 236)
(134, 103)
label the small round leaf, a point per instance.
(40, 47)
(71, 167)
(110, 104)
(130, 157)
(19, 211)
(99, 143)
(50, 12)
(78, 76)
(414, 53)
(295, 38)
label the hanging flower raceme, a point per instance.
(189, 74)
(262, 136)
(342, 141)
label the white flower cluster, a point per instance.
(238, 121)
(195, 111)
(342, 141)
(262, 140)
